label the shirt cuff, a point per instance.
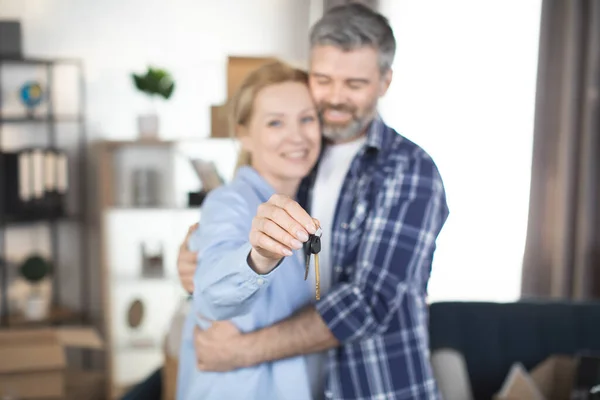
(343, 313)
(244, 281)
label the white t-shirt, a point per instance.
(333, 168)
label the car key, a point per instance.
(313, 246)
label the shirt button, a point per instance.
(328, 394)
(338, 269)
(344, 225)
(260, 281)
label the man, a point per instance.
(381, 204)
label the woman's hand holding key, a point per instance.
(280, 226)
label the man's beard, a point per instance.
(350, 130)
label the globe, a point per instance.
(31, 94)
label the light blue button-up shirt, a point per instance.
(227, 288)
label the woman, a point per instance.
(276, 122)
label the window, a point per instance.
(464, 89)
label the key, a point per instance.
(307, 252)
(317, 278)
(313, 246)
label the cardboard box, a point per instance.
(83, 385)
(239, 67)
(219, 126)
(33, 362)
(169, 375)
(237, 70)
(552, 379)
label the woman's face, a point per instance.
(283, 136)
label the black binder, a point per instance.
(35, 184)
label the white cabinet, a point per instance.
(139, 246)
(140, 307)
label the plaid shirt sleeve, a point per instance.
(397, 244)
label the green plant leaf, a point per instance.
(166, 88)
(35, 268)
(156, 81)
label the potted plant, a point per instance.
(156, 82)
(34, 270)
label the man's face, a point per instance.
(346, 86)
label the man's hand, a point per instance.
(280, 225)
(222, 347)
(217, 347)
(186, 262)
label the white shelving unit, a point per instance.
(133, 352)
(138, 350)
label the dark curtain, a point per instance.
(562, 253)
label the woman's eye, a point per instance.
(274, 123)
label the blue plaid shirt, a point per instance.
(391, 208)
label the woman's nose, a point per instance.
(296, 133)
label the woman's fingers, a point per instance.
(295, 211)
(280, 226)
(268, 246)
(277, 233)
(282, 219)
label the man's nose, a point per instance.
(336, 94)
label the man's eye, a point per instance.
(308, 119)
(355, 86)
(274, 123)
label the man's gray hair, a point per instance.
(353, 26)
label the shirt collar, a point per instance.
(255, 180)
(375, 140)
(375, 133)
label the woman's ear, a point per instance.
(242, 135)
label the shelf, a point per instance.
(28, 220)
(38, 61)
(157, 208)
(150, 346)
(58, 315)
(47, 119)
(41, 119)
(162, 280)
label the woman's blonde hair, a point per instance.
(241, 105)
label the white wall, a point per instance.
(189, 37)
(463, 88)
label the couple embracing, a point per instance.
(315, 154)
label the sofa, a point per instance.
(491, 337)
(474, 344)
